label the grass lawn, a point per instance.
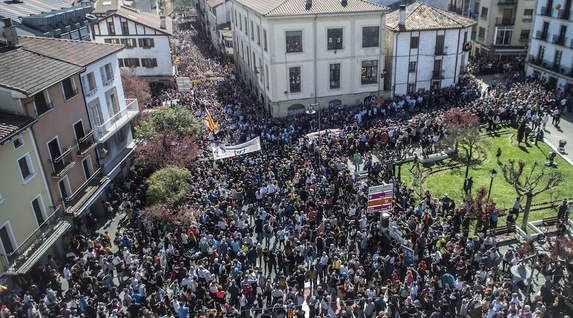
(451, 181)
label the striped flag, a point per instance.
(208, 120)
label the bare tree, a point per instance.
(462, 132)
(530, 183)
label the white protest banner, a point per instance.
(222, 151)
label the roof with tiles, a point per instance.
(421, 16)
(11, 125)
(148, 19)
(15, 10)
(215, 3)
(79, 53)
(272, 8)
(41, 62)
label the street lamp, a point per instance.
(492, 174)
(311, 111)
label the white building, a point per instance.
(425, 48)
(551, 47)
(110, 112)
(294, 53)
(218, 15)
(147, 40)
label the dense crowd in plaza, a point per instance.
(285, 233)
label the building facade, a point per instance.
(43, 80)
(503, 27)
(426, 48)
(26, 209)
(551, 47)
(146, 37)
(324, 52)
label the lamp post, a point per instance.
(492, 174)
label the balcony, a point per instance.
(91, 93)
(563, 14)
(107, 129)
(540, 35)
(438, 74)
(559, 39)
(546, 11)
(504, 21)
(34, 246)
(108, 81)
(86, 143)
(507, 2)
(443, 50)
(62, 164)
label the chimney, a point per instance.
(402, 20)
(308, 4)
(10, 33)
(162, 24)
(344, 3)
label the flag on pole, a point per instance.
(208, 120)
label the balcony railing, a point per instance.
(62, 164)
(540, 35)
(108, 81)
(507, 2)
(91, 93)
(550, 66)
(438, 74)
(86, 143)
(442, 50)
(118, 120)
(563, 14)
(12, 261)
(559, 39)
(504, 21)
(546, 11)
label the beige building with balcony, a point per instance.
(41, 79)
(503, 27)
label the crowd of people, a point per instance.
(285, 232)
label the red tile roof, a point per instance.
(11, 124)
(421, 16)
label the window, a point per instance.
(557, 59)
(267, 75)
(131, 62)
(412, 66)
(149, 62)
(69, 87)
(483, 13)
(411, 88)
(294, 79)
(90, 86)
(527, 15)
(265, 40)
(112, 103)
(524, 35)
(120, 62)
(124, 28)
(87, 167)
(94, 109)
(240, 22)
(334, 39)
(106, 72)
(252, 31)
(370, 36)
(38, 209)
(110, 28)
(6, 238)
(258, 35)
(293, 41)
(129, 43)
(481, 33)
(120, 136)
(42, 102)
(503, 35)
(64, 187)
(26, 168)
(414, 42)
(146, 43)
(18, 142)
(112, 41)
(246, 27)
(369, 72)
(335, 75)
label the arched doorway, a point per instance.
(295, 109)
(335, 103)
